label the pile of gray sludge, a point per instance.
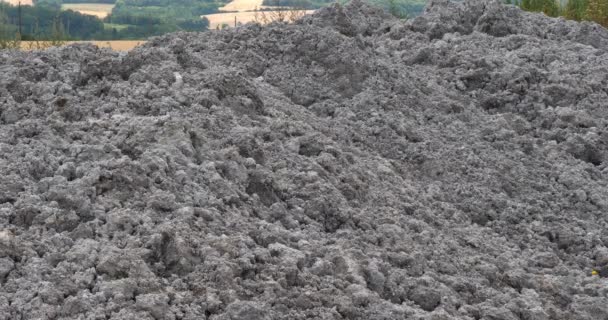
(348, 166)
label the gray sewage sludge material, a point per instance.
(350, 166)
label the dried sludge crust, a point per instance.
(348, 166)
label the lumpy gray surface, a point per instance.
(349, 166)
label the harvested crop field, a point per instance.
(118, 45)
(16, 2)
(348, 166)
(244, 11)
(100, 10)
(242, 5)
(219, 19)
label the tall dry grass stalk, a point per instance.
(278, 13)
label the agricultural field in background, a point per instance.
(140, 19)
(119, 45)
(220, 19)
(23, 2)
(100, 10)
(244, 11)
(243, 5)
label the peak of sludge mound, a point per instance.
(349, 166)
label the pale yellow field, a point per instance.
(16, 2)
(119, 45)
(245, 13)
(100, 10)
(242, 5)
(217, 19)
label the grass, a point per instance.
(100, 10)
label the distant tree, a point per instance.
(52, 4)
(58, 36)
(200, 24)
(9, 34)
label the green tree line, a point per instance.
(43, 23)
(579, 10)
(46, 21)
(182, 15)
(145, 18)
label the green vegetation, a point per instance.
(579, 10)
(11, 36)
(549, 7)
(50, 20)
(96, 9)
(130, 19)
(118, 27)
(597, 10)
(138, 19)
(177, 14)
(576, 10)
(144, 18)
(43, 22)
